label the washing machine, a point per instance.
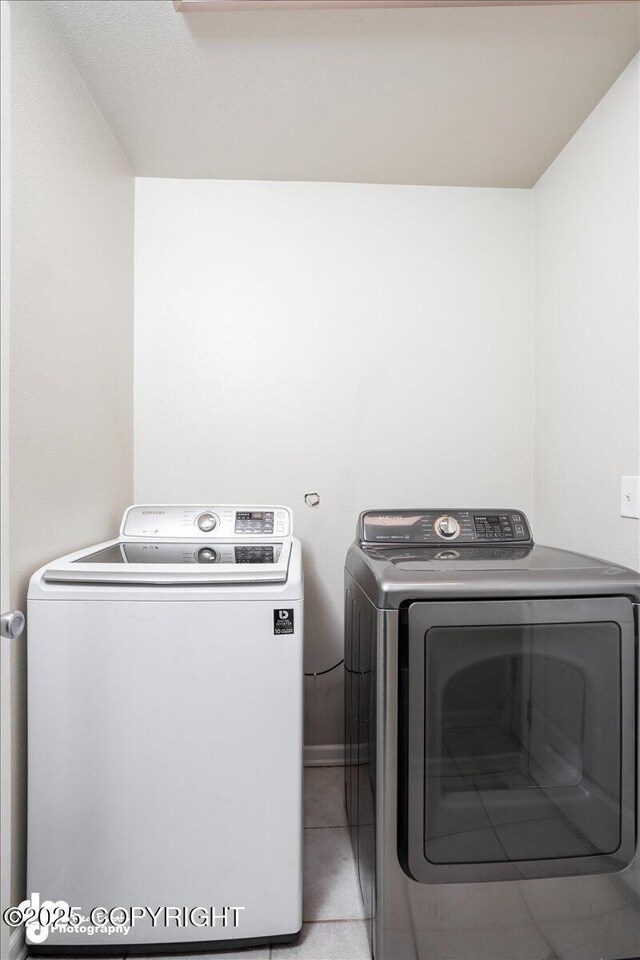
(165, 746)
(491, 705)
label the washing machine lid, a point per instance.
(126, 561)
(186, 543)
(162, 562)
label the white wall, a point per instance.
(370, 343)
(587, 428)
(71, 328)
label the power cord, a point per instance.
(321, 673)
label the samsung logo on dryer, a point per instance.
(156, 513)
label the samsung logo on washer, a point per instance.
(155, 513)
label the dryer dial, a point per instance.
(447, 527)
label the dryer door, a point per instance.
(517, 740)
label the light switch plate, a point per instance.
(630, 497)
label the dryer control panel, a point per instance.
(447, 525)
(206, 522)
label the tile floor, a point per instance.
(333, 926)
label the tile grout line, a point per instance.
(337, 920)
(328, 826)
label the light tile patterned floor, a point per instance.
(333, 926)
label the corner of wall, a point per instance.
(585, 321)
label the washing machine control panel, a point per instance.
(207, 522)
(477, 527)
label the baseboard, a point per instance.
(17, 945)
(324, 755)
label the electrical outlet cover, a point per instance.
(630, 497)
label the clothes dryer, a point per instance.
(491, 698)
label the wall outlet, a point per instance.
(630, 497)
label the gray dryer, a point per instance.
(490, 712)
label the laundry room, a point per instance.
(320, 479)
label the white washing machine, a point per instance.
(165, 686)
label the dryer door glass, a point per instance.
(519, 738)
(522, 754)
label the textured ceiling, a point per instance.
(482, 96)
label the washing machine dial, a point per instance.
(207, 522)
(207, 555)
(447, 527)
